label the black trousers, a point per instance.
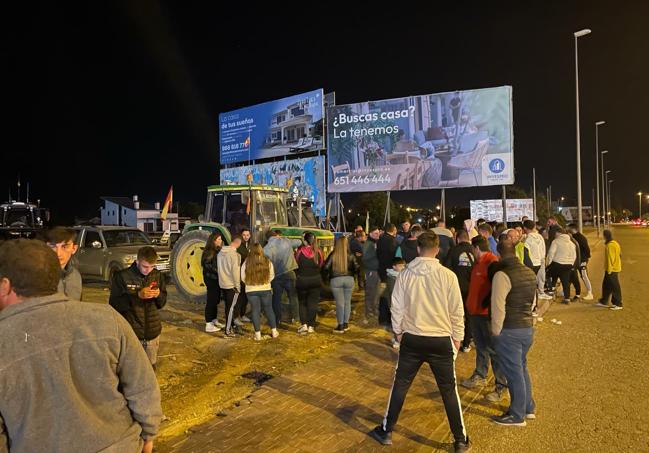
(611, 287)
(562, 272)
(439, 354)
(468, 335)
(574, 281)
(231, 297)
(308, 298)
(242, 302)
(213, 299)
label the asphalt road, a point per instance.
(591, 373)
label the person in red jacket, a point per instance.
(477, 304)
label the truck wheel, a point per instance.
(186, 268)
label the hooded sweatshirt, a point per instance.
(229, 265)
(426, 301)
(70, 283)
(562, 250)
(536, 244)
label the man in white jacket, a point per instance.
(562, 256)
(428, 320)
(536, 245)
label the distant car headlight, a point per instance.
(128, 259)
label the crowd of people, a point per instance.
(439, 292)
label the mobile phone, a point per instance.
(153, 285)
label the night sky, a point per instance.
(120, 98)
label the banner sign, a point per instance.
(492, 210)
(455, 139)
(303, 177)
(271, 129)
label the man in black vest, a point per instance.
(513, 294)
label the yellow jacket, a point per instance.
(613, 257)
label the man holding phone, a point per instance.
(137, 293)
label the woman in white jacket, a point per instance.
(561, 260)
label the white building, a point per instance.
(123, 211)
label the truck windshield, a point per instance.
(271, 208)
(18, 217)
(117, 238)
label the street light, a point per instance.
(578, 34)
(610, 181)
(597, 124)
(603, 186)
(640, 204)
(607, 206)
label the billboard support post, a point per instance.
(505, 204)
(444, 205)
(534, 190)
(386, 218)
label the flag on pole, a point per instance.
(168, 202)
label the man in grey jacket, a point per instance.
(279, 250)
(228, 262)
(61, 240)
(85, 385)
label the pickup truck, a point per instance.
(104, 250)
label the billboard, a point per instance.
(272, 129)
(455, 139)
(303, 176)
(492, 210)
(571, 213)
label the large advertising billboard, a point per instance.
(571, 213)
(303, 177)
(492, 210)
(271, 129)
(455, 139)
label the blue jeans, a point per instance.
(281, 283)
(485, 352)
(342, 288)
(512, 346)
(257, 301)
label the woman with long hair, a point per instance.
(257, 272)
(341, 266)
(309, 281)
(211, 279)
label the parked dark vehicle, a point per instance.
(104, 250)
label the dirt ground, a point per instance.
(202, 374)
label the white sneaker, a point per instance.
(217, 323)
(274, 333)
(303, 329)
(259, 337)
(238, 322)
(599, 304)
(588, 296)
(616, 307)
(312, 330)
(545, 296)
(245, 319)
(210, 327)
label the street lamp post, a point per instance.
(640, 204)
(603, 186)
(578, 34)
(610, 210)
(607, 207)
(597, 124)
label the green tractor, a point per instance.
(229, 209)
